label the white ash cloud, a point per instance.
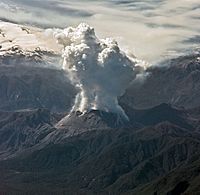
(97, 67)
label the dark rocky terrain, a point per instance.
(149, 156)
(176, 82)
(157, 152)
(23, 87)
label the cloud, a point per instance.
(97, 67)
(151, 29)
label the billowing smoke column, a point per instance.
(97, 67)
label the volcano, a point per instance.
(77, 122)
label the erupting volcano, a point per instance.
(97, 67)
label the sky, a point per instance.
(151, 29)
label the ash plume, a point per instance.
(97, 67)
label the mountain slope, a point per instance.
(176, 82)
(102, 161)
(27, 87)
